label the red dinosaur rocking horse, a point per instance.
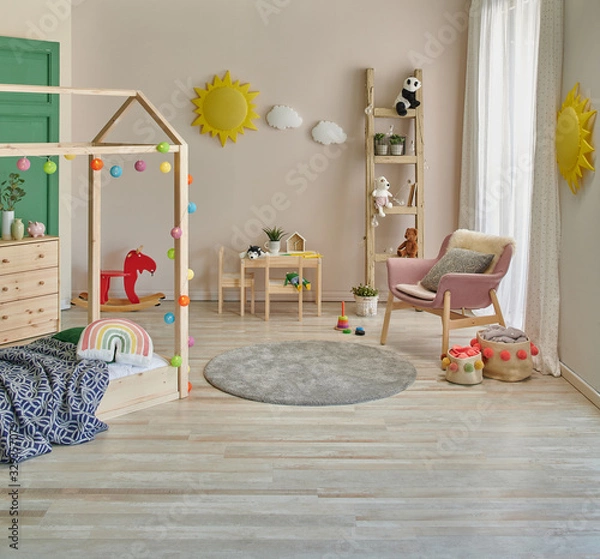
(135, 263)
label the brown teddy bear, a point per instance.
(409, 248)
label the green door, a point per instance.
(28, 117)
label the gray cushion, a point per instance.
(456, 260)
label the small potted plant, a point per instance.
(397, 144)
(275, 234)
(11, 193)
(381, 145)
(366, 299)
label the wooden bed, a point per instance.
(167, 383)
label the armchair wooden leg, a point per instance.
(497, 308)
(220, 304)
(252, 298)
(446, 323)
(386, 319)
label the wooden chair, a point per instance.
(462, 291)
(232, 280)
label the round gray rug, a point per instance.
(310, 373)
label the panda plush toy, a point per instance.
(407, 98)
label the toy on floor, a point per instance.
(343, 322)
(381, 195)
(359, 331)
(409, 248)
(292, 278)
(135, 263)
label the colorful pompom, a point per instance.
(505, 355)
(534, 349)
(488, 353)
(478, 365)
(522, 354)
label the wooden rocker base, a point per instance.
(121, 305)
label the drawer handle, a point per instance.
(41, 282)
(4, 317)
(5, 261)
(41, 255)
(5, 288)
(40, 310)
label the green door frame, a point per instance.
(27, 117)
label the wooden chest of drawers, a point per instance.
(29, 291)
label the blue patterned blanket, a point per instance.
(47, 396)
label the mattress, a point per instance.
(120, 370)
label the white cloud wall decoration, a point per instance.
(282, 117)
(327, 132)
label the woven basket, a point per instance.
(366, 306)
(513, 369)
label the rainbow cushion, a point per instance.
(115, 339)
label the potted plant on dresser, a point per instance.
(275, 234)
(366, 299)
(11, 193)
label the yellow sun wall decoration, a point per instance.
(572, 138)
(225, 108)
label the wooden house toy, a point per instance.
(295, 243)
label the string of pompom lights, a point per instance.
(116, 171)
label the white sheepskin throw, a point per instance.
(480, 242)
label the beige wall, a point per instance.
(47, 20)
(579, 262)
(308, 54)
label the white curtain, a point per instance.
(499, 133)
(541, 322)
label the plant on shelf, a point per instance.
(274, 233)
(397, 144)
(381, 145)
(12, 192)
(364, 291)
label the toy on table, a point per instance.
(253, 252)
(409, 248)
(381, 195)
(342, 322)
(293, 278)
(135, 263)
(407, 97)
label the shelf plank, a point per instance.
(401, 210)
(391, 113)
(397, 159)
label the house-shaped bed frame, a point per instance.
(167, 383)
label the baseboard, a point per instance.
(574, 379)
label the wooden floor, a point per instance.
(491, 471)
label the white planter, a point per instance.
(273, 247)
(381, 149)
(366, 306)
(7, 219)
(397, 149)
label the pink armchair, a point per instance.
(464, 291)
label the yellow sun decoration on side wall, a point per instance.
(225, 108)
(573, 138)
